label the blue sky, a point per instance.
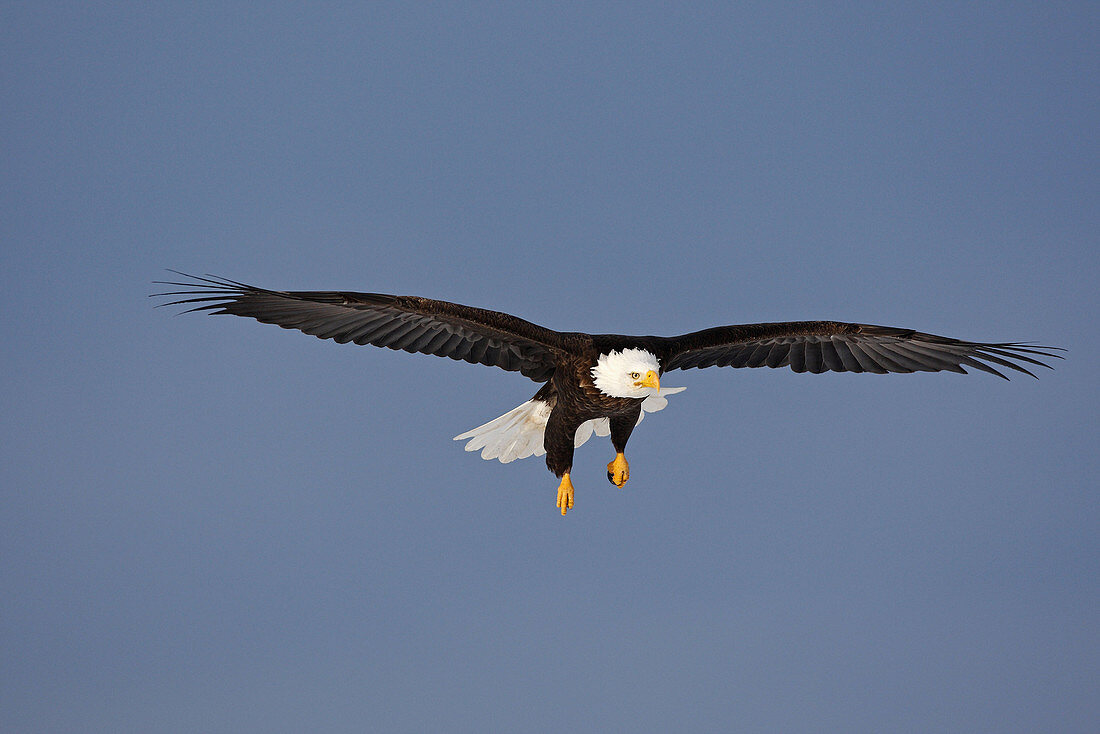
(214, 525)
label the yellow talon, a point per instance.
(618, 471)
(565, 493)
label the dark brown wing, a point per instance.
(398, 322)
(822, 346)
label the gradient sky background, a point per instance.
(213, 525)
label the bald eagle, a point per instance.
(593, 383)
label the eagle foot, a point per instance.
(618, 471)
(565, 493)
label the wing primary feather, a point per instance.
(883, 358)
(866, 361)
(984, 355)
(847, 357)
(1027, 348)
(978, 365)
(1013, 353)
(894, 350)
(935, 360)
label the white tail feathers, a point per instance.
(518, 433)
(515, 435)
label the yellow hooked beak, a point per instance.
(651, 380)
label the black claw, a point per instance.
(611, 478)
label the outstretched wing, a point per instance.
(822, 346)
(410, 323)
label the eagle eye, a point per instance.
(635, 375)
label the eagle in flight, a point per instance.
(592, 383)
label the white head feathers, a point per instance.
(620, 374)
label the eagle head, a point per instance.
(631, 373)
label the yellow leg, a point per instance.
(618, 471)
(565, 493)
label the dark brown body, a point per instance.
(574, 399)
